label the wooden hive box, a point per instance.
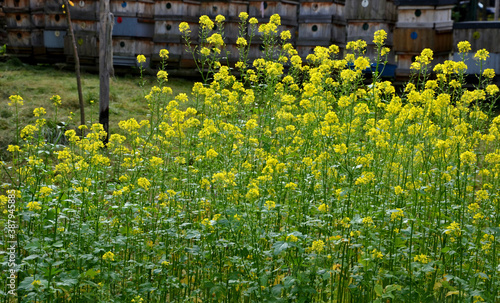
(188, 11)
(16, 6)
(126, 50)
(85, 10)
(230, 10)
(146, 9)
(121, 8)
(133, 27)
(168, 31)
(18, 20)
(381, 10)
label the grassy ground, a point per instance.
(37, 84)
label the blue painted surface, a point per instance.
(124, 4)
(131, 27)
(53, 39)
(414, 35)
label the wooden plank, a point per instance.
(370, 10)
(18, 20)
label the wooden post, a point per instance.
(105, 64)
(77, 64)
(497, 7)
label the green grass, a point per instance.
(37, 84)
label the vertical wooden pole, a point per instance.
(497, 7)
(105, 64)
(77, 63)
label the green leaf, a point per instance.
(379, 290)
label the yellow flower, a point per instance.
(253, 21)
(398, 213)
(206, 23)
(379, 37)
(463, 46)
(220, 19)
(184, 28)
(144, 183)
(216, 40)
(15, 99)
(241, 42)
(323, 208)
(318, 246)
(36, 283)
(56, 100)
(489, 73)
(163, 75)
(482, 55)
(34, 206)
(285, 35)
(398, 190)
(275, 19)
(421, 258)
(468, 157)
(141, 58)
(243, 16)
(270, 205)
(492, 89)
(292, 238)
(377, 254)
(40, 111)
(367, 220)
(211, 153)
(108, 256)
(453, 228)
(164, 54)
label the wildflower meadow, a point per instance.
(275, 180)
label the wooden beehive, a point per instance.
(263, 10)
(128, 48)
(320, 23)
(186, 10)
(423, 24)
(381, 10)
(121, 8)
(85, 10)
(16, 6)
(146, 9)
(18, 20)
(481, 35)
(133, 27)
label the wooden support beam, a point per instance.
(105, 63)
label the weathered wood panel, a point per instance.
(56, 21)
(181, 10)
(262, 10)
(146, 9)
(123, 8)
(86, 44)
(317, 8)
(19, 37)
(18, 20)
(38, 19)
(16, 6)
(168, 31)
(480, 35)
(370, 10)
(364, 30)
(416, 39)
(85, 10)
(132, 46)
(230, 10)
(437, 17)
